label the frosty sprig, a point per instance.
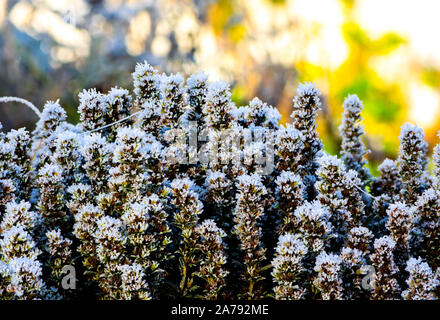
(212, 267)
(422, 282)
(411, 162)
(288, 266)
(386, 285)
(247, 216)
(352, 148)
(305, 107)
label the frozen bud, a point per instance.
(134, 285)
(17, 242)
(421, 281)
(400, 223)
(93, 109)
(19, 215)
(51, 116)
(412, 161)
(146, 82)
(328, 280)
(26, 278)
(218, 108)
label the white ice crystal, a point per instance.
(330, 161)
(288, 178)
(313, 211)
(19, 215)
(136, 216)
(353, 104)
(408, 129)
(50, 174)
(307, 89)
(52, 110)
(290, 244)
(208, 228)
(384, 243)
(26, 276)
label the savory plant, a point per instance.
(173, 191)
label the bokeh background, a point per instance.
(386, 51)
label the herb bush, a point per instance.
(175, 192)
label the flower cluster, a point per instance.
(162, 193)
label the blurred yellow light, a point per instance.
(323, 20)
(417, 20)
(424, 105)
(21, 14)
(186, 26)
(63, 54)
(139, 31)
(63, 32)
(161, 46)
(2, 11)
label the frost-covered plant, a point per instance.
(19, 255)
(436, 169)
(305, 107)
(128, 175)
(359, 238)
(290, 147)
(258, 113)
(162, 194)
(386, 189)
(312, 221)
(186, 216)
(84, 228)
(219, 194)
(339, 191)
(52, 118)
(146, 83)
(60, 255)
(389, 181)
(212, 266)
(158, 240)
(386, 285)
(328, 281)
(288, 267)
(248, 214)
(400, 224)
(110, 252)
(7, 191)
(353, 150)
(93, 109)
(411, 162)
(68, 157)
(290, 193)
(51, 201)
(427, 226)
(16, 148)
(121, 105)
(97, 158)
(26, 278)
(133, 284)
(218, 109)
(421, 282)
(16, 242)
(196, 89)
(352, 263)
(19, 215)
(172, 105)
